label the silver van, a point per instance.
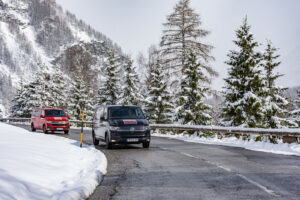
(117, 124)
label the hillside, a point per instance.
(37, 34)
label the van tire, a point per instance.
(146, 144)
(95, 141)
(107, 142)
(32, 128)
(44, 129)
(66, 132)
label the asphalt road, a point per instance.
(173, 169)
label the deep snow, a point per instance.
(37, 166)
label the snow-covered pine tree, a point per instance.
(158, 99)
(90, 102)
(275, 102)
(130, 88)
(192, 109)
(1, 111)
(37, 93)
(76, 98)
(58, 90)
(296, 111)
(18, 102)
(109, 92)
(181, 35)
(297, 101)
(244, 85)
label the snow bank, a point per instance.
(37, 166)
(281, 148)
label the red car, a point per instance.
(49, 119)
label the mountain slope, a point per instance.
(37, 34)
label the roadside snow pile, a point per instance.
(37, 166)
(280, 148)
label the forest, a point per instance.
(176, 78)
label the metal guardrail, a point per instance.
(78, 121)
(293, 132)
(28, 119)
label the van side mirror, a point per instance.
(42, 116)
(148, 117)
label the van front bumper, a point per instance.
(130, 137)
(51, 127)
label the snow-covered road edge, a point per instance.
(280, 148)
(39, 166)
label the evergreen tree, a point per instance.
(58, 90)
(109, 92)
(182, 35)
(18, 102)
(244, 86)
(130, 87)
(275, 102)
(158, 102)
(297, 100)
(90, 102)
(77, 98)
(192, 109)
(36, 93)
(296, 111)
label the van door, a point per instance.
(96, 122)
(41, 120)
(103, 123)
(34, 118)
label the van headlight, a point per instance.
(49, 122)
(146, 128)
(114, 128)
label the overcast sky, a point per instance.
(136, 24)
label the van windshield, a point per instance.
(123, 112)
(55, 113)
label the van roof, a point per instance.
(49, 108)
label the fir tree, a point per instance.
(182, 35)
(192, 109)
(58, 90)
(109, 92)
(130, 87)
(77, 98)
(90, 102)
(18, 102)
(297, 100)
(158, 102)
(296, 111)
(244, 85)
(275, 102)
(36, 93)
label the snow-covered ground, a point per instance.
(280, 148)
(38, 166)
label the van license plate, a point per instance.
(59, 129)
(132, 139)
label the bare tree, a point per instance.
(181, 36)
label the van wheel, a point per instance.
(108, 143)
(32, 128)
(44, 129)
(66, 132)
(146, 144)
(95, 141)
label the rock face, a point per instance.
(38, 33)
